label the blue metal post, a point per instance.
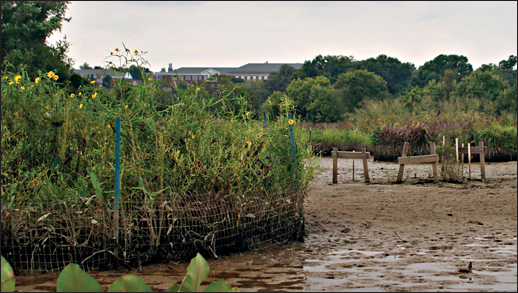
(293, 151)
(264, 123)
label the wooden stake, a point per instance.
(442, 157)
(462, 163)
(482, 161)
(469, 160)
(365, 168)
(434, 165)
(457, 149)
(335, 165)
(402, 166)
(353, 166)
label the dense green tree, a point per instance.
(85, 66)
(329, 66)
(300, 92)
(398, 75)
(135, 72)
(279, 81)
(326, 105)
(107, 81)
(26, 25)
(487, 87)
(509, 63)
(434, 69)
(359, 85)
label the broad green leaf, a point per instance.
(218, 286)
(129, 283)
(74, 279)
(197, 271)
(56, 164)
(96, 183)
(8, 280)
(174, 288)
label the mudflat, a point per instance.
(413, 236)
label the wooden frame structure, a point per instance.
(363, 155)
(480, 150)
(433, 159)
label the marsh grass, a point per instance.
(195, 156)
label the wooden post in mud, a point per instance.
(482, 161)
(402, 166)
(462, 163)
(442, 156)
(365, 168)
(434, 164)
(457, 149)
(335, 165)
(469, 160)
(353, 166)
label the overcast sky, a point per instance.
(231, 34)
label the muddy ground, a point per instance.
(381, 236)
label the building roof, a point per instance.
(101, 72)
(249, 68)
(263, 67)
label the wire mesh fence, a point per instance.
(49, 236)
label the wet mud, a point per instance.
(414, 236)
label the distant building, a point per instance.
(250, 71)
(99, 74)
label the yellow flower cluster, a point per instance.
(290, 122)
(17, 78)
(94, 95)
(37, 80)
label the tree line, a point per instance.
(332, 88)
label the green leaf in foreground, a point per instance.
(8, 280)
(129, 283)
(74, 279)
(218, 286)
(174, 288)
(197, 271)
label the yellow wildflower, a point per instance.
(55, 77)
(247, 113)
(5, 77)
(80, 106)
(10, 83)
(50, 74)
(92, 82)
(136, 52)
(79, 94)
(249, 143)
(31, 86)
(109, 126)
(72, 95)
(290, 122)
(149, 79)
(47, 107)
(17, 78)
(126, 107)
(197, 89)
(116, 49)
(37, 80)
(21, 89)
(94, 95)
